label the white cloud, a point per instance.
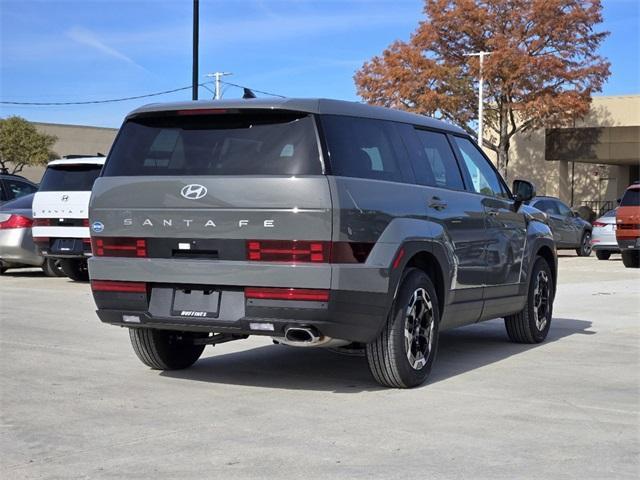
(88, 38)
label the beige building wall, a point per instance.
(602, 175)
(73, 140)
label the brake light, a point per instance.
(85, 222)
(16, 221)
(599, 224)
(307, 251)
(113, 286)
(119, 247)
(288, 251)
(304, 294)
(41, 241)
(202, 111)
(42, 222)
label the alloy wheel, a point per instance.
(541, 300)
(419, 329)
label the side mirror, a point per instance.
(523, 191)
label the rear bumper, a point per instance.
(629, 243)
(348, 315)
(73, 248)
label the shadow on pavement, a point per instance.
(24, 272)
(278, 366)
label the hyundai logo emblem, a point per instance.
(64, 198)
(194, 191)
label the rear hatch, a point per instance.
(200, 184)
(628, 215)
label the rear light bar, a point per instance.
(16, 221)
(41, 222)
(114, 286)
(306, 251)
(41, 241)
(119, 247)
(202, 111)
(304, 294)
(85, 222)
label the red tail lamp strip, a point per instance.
(41, 222)
(307, 251)
(115, 286)
(287, 294)
(119, 247)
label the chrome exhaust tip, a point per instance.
(307, 337)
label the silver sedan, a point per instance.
(16, 243)
(603, 236)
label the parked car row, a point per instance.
(50, 228)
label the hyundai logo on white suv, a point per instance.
(194, 191)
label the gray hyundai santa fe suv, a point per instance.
(315, 222)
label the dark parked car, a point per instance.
(569, 230)
(14, 186)
(316, 222)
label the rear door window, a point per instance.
(547, 206)
(435, 162)
(248, 143)
(69, 178)
(365, 148)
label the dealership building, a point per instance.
(589, 163)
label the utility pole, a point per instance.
(481, 55)
(196, 23)
(218, 76)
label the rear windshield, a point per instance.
(631, 198)
(69, 178)
(219, 144)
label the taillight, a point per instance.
(16, 221)
(115, 286)
(304, 294)
(288, 251)
(85, 222)
(307, 251)
(599, 224)
(41, 222)
(41, 241)
(119, 247)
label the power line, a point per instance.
(111, 100)
(136, 97)
(252, 89)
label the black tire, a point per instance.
(75, 269)
(526, 326)
(631, 258)
(603, 254)
(53, 268)
(165, 349)
(387, 356)
(584, 250)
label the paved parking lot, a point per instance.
(76, 403)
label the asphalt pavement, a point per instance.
(75, 402)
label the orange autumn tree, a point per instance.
(542, 71)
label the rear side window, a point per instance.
(16, 188)
(249, 143)
(364, 148)
(69, 178)
(631, 198)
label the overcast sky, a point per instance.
(56, 51)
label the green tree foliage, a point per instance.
(21, 145)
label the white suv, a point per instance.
(60, 213)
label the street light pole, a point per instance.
(481, 56)
(194, 77)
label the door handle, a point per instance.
(492, 212)
(437, 203)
